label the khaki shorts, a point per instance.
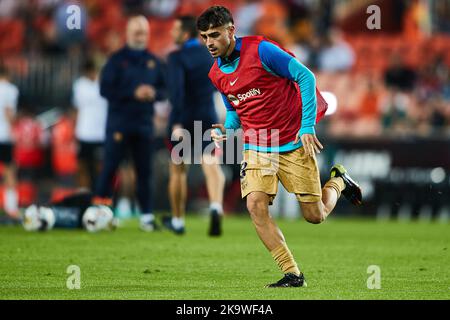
(297, 171)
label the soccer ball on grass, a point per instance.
(38, 218)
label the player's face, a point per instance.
(177, 32)
(218, 40)
(137, 35)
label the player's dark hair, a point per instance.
(188, 24)
(214, 17)
(88, 66)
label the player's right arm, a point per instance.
(232, 122)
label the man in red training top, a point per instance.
(273, 97)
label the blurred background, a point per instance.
(388, 88)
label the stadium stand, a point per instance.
(44, 69)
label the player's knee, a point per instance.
(218, 176)
(221, 177)
(256, 206)
(253, 206)
(314, 216)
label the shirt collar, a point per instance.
(135, 52)
(234, 55)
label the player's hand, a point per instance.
(141, 92)
(150, 92)
(215, 136)
(145, 92)
(177, 132)
(311, 144)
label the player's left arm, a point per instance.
(232, 121)
(280, 63)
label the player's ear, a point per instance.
(231, 31)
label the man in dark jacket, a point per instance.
(191, 96)
(131, 81)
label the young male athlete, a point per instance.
(273, 97)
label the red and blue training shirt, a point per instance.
(269, 93)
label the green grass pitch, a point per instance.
(130, 264)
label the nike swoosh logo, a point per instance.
(233, 82)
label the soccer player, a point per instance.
(131, 81)
(265, 89)
(191, 97)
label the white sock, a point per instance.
(124, 206)
(216, 206)
(11, 200)
(177, 222)
(147, 218)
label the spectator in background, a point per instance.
(400, 80)
(302, 33)
(369, 115)
(395, 117)
(432, 91)
(90, 128)
(398, 76)
(441, 14)
(440, 115)
(335, 54)
(432, 78)
(8, 103)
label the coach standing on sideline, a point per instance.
(131, 81)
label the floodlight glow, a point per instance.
(437, 175)
(331, 100)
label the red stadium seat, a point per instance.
(11, 36)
